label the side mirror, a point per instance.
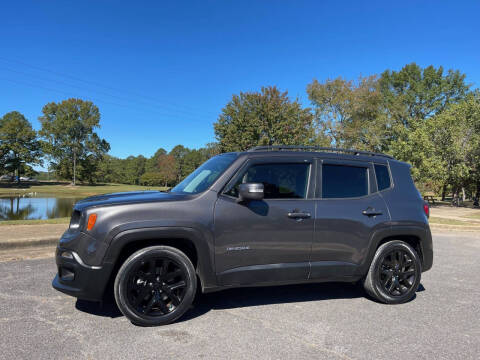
(250, 191)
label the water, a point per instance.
(35, 207)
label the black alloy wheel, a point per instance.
(394, 274)
(155, 286)
(397, 272)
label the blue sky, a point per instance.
(161, 71)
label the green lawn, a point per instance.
(65, 220)
(66, 190)
(438, 220)
(474, 216)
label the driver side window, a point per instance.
(280, 180)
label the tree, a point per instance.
(349, 114)
(18, 143)
(69, 132)
(454, 136)
(267, 117)
(167, 168)
(413, 94)
(132, 169)
(152, 163)
(179, 152)
(151, 179)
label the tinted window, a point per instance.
(383, 177)
(205, 175)
(343, 181)
(280, 181)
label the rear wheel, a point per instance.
(155, 286)
(395, 272)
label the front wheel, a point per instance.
(155, 286)
(394, 275)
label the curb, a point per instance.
(28, 243)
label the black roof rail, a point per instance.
(316, 148)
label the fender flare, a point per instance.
(393, 231)
(204, 249)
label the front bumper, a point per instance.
(78, 279)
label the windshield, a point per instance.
(205, 175)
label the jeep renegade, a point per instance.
(269, 216)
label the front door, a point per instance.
(269, 240)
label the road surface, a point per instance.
(321, 321)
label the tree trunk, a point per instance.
(463, 194)
(18, 168)
(74, 167)
(444, 192)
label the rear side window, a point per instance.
(280, 180)
(383, 177)
(344, 181)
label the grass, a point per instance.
(67, 190)
(444, 221)
(474, 216)
(64, 220)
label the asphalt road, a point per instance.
(324, 321)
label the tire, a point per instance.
(155, 286)
(394, 274)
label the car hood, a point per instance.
(128, 198)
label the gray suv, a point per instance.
(269, 216)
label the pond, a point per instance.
(33, 207)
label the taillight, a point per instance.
(91, 221)
(426, 209)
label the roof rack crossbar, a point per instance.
(316, 148)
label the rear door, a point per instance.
(269, 240)
(349, 211)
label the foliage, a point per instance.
(454, 137)
(18, 143)
(68, 129)
(414, 94)
(268, 117)
(349, 114)
(152, 163)
(167, 169)
(151, 179)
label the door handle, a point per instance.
(371, 212)
(299, 215)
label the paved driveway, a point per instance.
(324, 321)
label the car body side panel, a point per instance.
(337, 243)
(260, 233)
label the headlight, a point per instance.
(75, 219)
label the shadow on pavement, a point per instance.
(245, 297)
(255, 296)
(105, 309)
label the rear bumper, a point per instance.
(78, 279)
(427, 250)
